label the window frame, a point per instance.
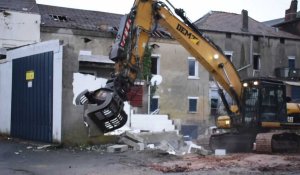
(157, 98)
(189, 104)
(196, 76)
(229, 53)
(291, 58)
(158, 63)
(259, 61)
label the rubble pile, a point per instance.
(170, 142)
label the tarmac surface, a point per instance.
(19, 157)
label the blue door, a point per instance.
(32, 97)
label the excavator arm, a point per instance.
(105, 105)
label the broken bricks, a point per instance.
(133, 140)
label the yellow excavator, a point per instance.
(261, 115)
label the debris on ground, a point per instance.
(168, 141)
(220, 152)
(117, 148)
(236, 163)
(133, 140)
(43, 147)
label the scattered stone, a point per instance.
(165, 146)
(117, 148)
(43, 147)
(29, 147)
(151, 146)
(220, 152)
(133, 140)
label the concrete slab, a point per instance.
(133, 136)
(135, 145)
(157, 137)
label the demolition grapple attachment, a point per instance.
(104, 108)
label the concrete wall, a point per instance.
(176, 87)
(273, 53)
(159, 123)
(18, 28)
(73, 129)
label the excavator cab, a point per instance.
(262, 107)
(264, 103)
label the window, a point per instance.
(214, 106)
(2, 53)
(154, 103)
(155, 64)
(282, 40)
(2, 57)
(228, 35)
(193, 68)
(228, 55)
(256, 61)
(255, 38)
(291, 61)
(193, 104)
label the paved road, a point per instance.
(25, 159)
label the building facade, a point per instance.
(255, 49)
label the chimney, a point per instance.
(245, 20)
(291, 13)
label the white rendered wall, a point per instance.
(19, 28)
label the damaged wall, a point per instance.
(73, 129)
(173, 92)
(19, 28)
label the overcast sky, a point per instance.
(260, 10)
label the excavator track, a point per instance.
(263, 142)
(280, 141)
(232, 143)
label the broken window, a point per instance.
(193, 104)
(59, 18)
(256, 62)
(193, 68)
(154, 65)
